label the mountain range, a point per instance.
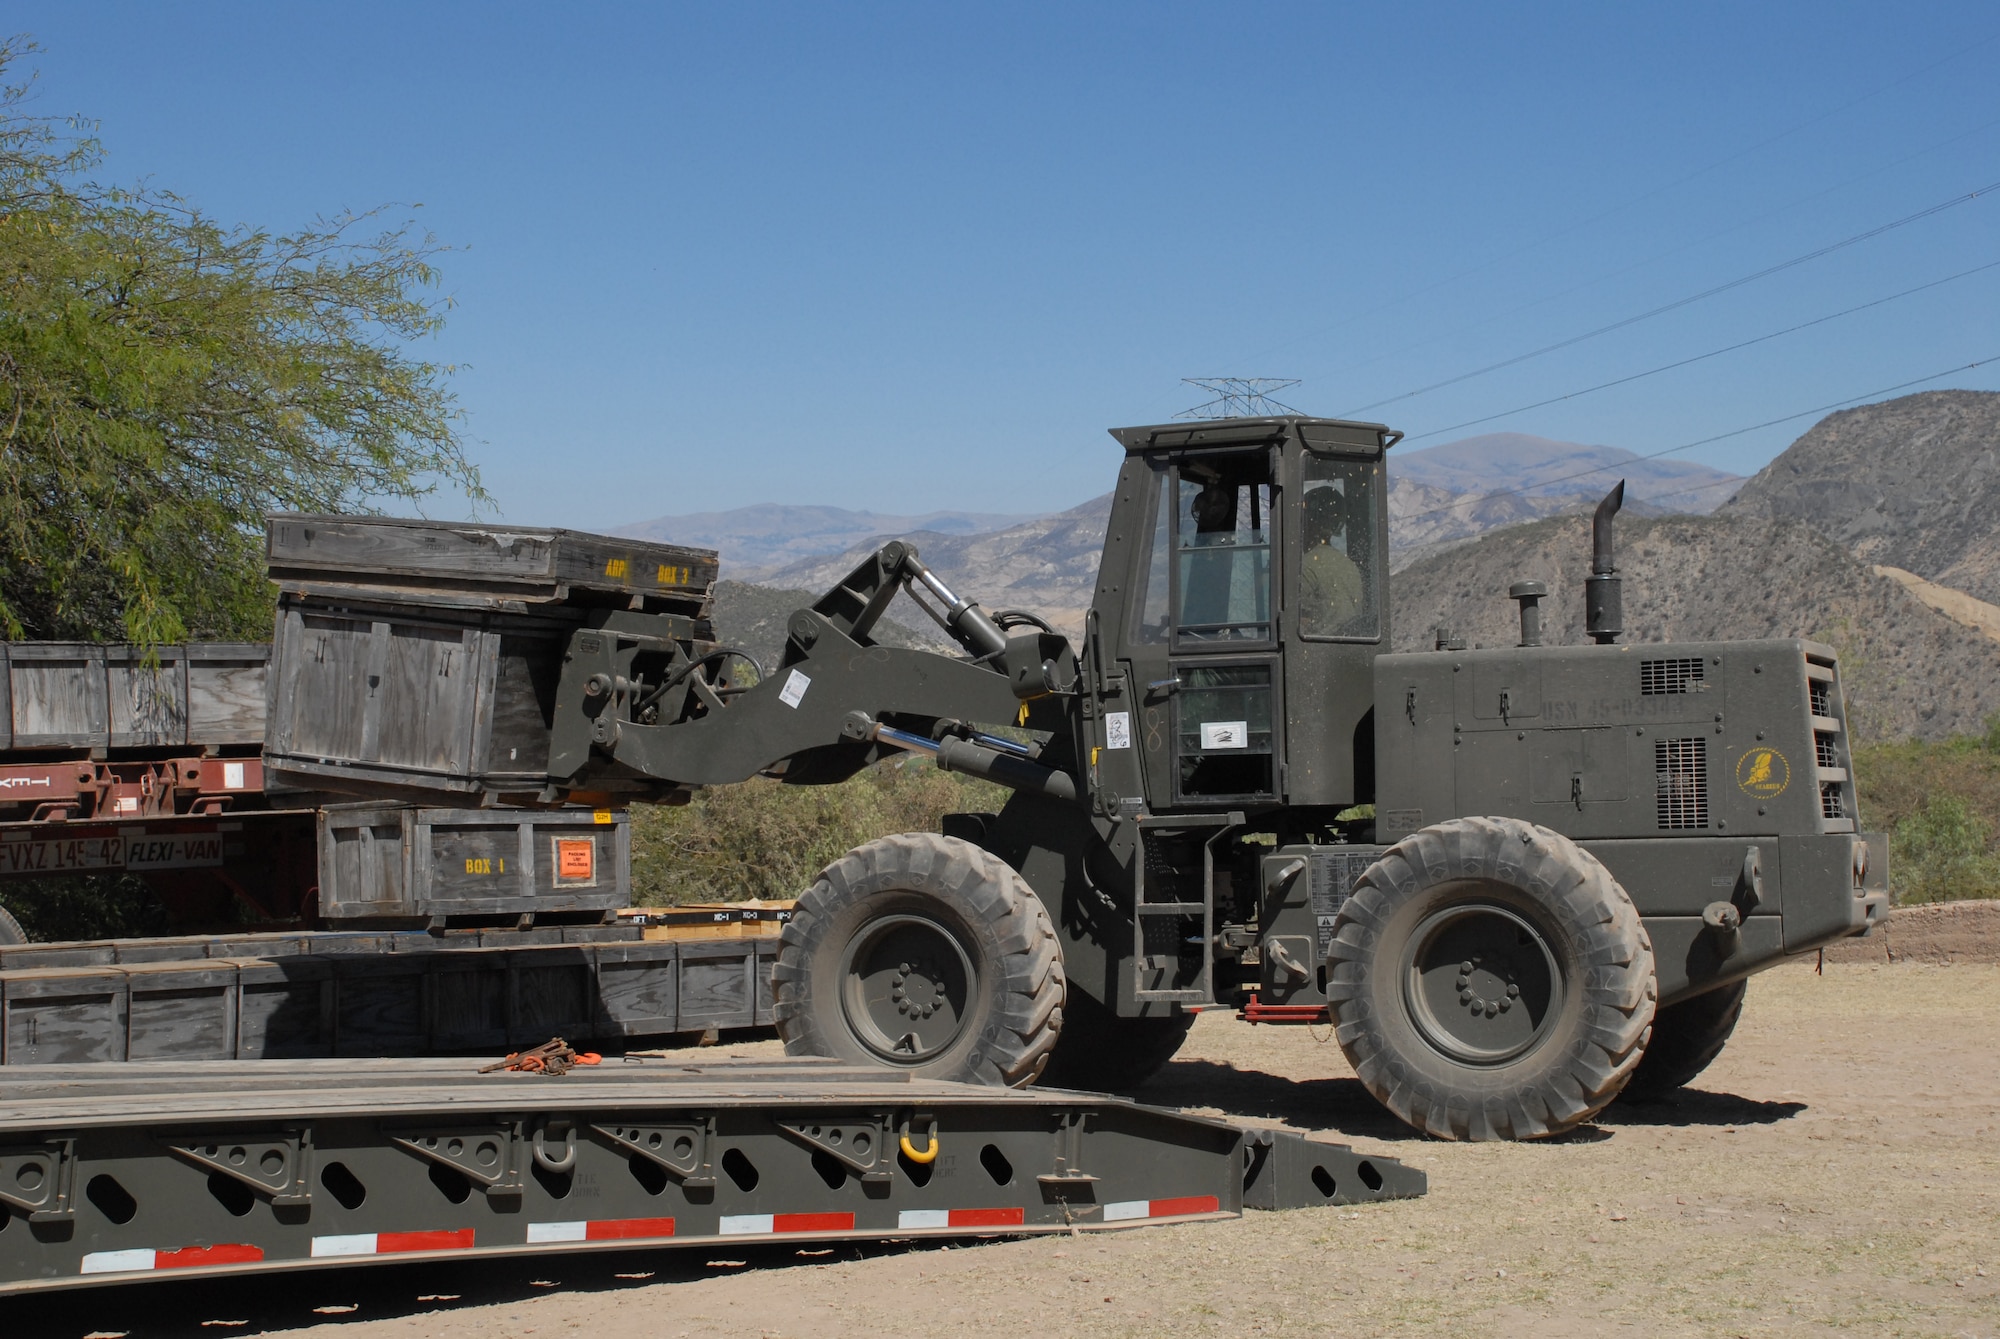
(1873, 532)
(1437, 496)
(757, 540)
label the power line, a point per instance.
(1676, 305)
(1738, 226)
(1701, 357)
(1689, 446)
(1668, 187)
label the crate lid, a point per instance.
(391, 552)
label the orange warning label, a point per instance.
(576, 859)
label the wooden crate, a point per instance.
(77, 696)
(420, 660)
(316, 1003)
(402, 862)
(385, 553)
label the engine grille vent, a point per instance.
(1826, 750)
(1681, 778)
(1821, 694)
(1831, 802)
(1680, 675)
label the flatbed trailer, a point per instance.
(112, 1174)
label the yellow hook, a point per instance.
(930, 1152)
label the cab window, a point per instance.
(1340, 551)
(1222, 552)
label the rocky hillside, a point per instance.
(756, 541)
(753, 618)
(1543, 467)
(1911, 483)
(1910, 670)
(1047, 566)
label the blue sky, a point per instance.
(906, 257)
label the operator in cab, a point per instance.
(1331, 592)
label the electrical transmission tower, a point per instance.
(1240, 397)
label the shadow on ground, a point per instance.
(1343, 1106)
(276, 1304)
(1695, 1106)
(1340, 1105)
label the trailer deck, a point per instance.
(120, 1173)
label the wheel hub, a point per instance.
(1481, 983)
(906, 986)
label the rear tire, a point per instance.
(1687, 1036)
(1489, 979)
(923, 954)
(10, 929)
(1099, 1050)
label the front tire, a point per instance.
(1490, 980)
(1687, 1037)
(923, 954)
(1101, 1051)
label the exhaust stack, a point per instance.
(1603, 592)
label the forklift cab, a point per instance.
(1243, 599)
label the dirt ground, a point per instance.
(1837, 1169)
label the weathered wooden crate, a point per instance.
(397, 861)
(79, 696)
(463, 561)
(316, 1003)
(416, 659)
(412, 701)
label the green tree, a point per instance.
(165, 380)
(1938, 854)
(766, 840)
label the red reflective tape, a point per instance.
(194, 1257)
(812, 1222)
(387, 1243)
(988, 1217)
(625, 1229)
(1185, 1204)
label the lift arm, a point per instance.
(836, 702)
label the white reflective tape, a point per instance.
(117, 1262)
(577, 1231)
(745, 1224)
(794, 690)
(360, 1243)
(1123, 1211)
(924, 1218)
(232, 776)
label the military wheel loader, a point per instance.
(1517, 880)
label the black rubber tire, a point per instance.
(1687, 1036)
(1099, 1050)
(1559, 929)
(933, 901)
(10, 929)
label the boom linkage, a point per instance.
(837, 700)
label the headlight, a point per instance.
(1860, 864)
